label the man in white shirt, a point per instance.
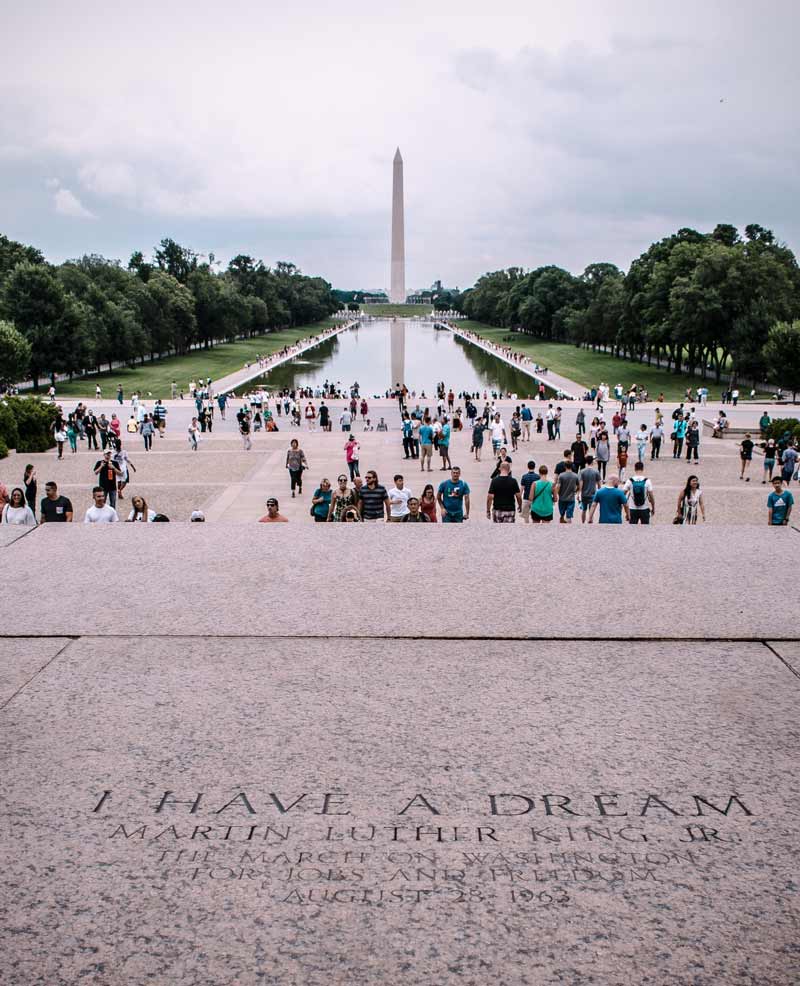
(639, 491)
(399, 496)
(498, 430)
(100, 513)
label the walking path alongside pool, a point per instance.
(248, 373)
(553, 381)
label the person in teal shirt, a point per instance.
(453, 498)
(779, 504)
(680, 433)
(321, 502)
(612, 501)
(426, 445)
(444, 445)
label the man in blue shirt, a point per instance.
(612, 501)
(444, 445)
(426, 444)
(779, 504)
(453, 498)
(527, 482)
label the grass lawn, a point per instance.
(390, 310)
(588, 368)
(155, 378)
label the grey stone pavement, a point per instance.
(231, 484)
(307, 755)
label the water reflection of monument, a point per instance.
(397, 346)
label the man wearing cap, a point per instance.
(198, 517)
(273, 514)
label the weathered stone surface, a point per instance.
(692, 888)
(789, 651)
(379, 579)
(21, 658)
(11, 533)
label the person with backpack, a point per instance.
(641, 502)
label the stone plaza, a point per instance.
(239, 753)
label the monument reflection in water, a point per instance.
(382, 353)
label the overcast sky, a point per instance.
(531, 132)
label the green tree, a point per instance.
(175, 260)
(13, 253)
(15, 354)
(782, 355)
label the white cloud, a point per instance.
(529, 133)
(68, 204)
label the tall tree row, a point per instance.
(693, 301)
(92, 313)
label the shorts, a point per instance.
(452, 518)
(586, 502)
(504, 516)
(537, 519)
(640, 515)
(746, 456)
(566, 508)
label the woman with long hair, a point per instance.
(690, 502)
(30, 484)
(17, 511)
(343, 500)
(427, 503)
(140, 511)
(602, 453)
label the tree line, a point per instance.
(89, 314)
(717, 303)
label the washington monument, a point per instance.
(397, 294)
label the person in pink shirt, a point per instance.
(352, 452)
(115, 426)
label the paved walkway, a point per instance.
(553, 381)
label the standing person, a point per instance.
(55, 509)
(426, 444)
(770, 455)
(346, 419)
(565, 489)
(527, 481)
(444, 445)
(497, 430)
(579, 448)
(147, 429)
(427, 504)
(324, 416)
(352, 454)
(789, 459)
(678, 435)
(296, 463)
(527, 417)
(107, 472)
(31, 485)
(60, 435)
(17, 511)
(656, 437)
(543, 498)
(311, 417)
(516, 431)
(611, 501)
(114, 427)
(690, 502)
(193, 432)
(373, 501)
(408, 441)
(746, 456)
(415, 515)
(641, 443)
(779, 504)
(140, 512)
(222, 403)
(120, 395)
(453, 498)
(580, 421)
(72, 433)
(244, 431)
(639, 491)
(321, 501)
(90, 427)
(124, 465)
(588, 482)
(102, 427)
(100, 512)
(693, 441)
(622, 459)
(398, 500)
(364, 409)
(159, 418)
(477, 438)
(551, 424)
(273, 514)
(342, 500)
(500, 500)
(602, 453)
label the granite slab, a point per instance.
(789, 651)
(22, 658)
(221, 812)
(11, 533)
(396, 581)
